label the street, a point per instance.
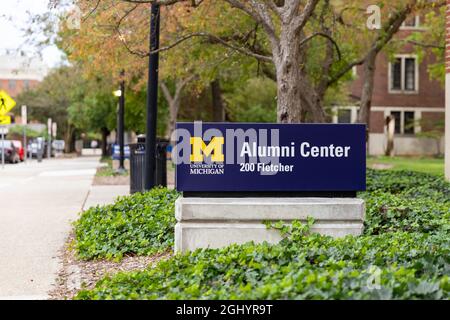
(38, 202)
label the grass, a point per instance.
(108, 171)
(419, 164)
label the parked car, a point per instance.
(11, 154)
(32, 149)
(19, 147)
(37, 146)
(58, 145)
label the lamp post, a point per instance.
(152, 99)
(49, 132)
(24, 124)
(120, 123)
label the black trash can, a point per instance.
(137, 164)
(137, 167)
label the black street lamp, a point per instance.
(152, 99)
(120, 123)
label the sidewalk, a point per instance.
(101, 195)
(39, 202)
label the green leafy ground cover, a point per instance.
(138, 224)
(403, 253)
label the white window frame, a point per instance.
(353, 113)
(417, 118)
(355, 72)
(415, 27)
(403, 57)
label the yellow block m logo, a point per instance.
(214, 147)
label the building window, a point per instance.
(12, 84)
(411, 23)
(26, 84)
(396, 76)
(404, 75)
(405, 122)
(347, 114)
(344, 116)
(409, 123)
(398, 119)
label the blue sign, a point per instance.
(116, 151)
(248, 157)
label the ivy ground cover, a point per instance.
(403, 253)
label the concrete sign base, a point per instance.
(218, 222)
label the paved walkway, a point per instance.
(101, 195)
(38, 202)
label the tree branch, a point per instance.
(211, 37)
(300, 21)
(275, 9)
(256, 13)
(344, 70)
(141, 54)
(388, 30)
(426, 45)
(92, 11)
(217, 40)
(127, 13)
(322, 34)
(166, 91)
(161, 2)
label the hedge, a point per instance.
(403, 254)
(139, 224)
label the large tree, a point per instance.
(308, 47)
(94, 110)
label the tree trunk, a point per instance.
(174, 102)
(68, 139)
(217, 102)
(390, 130)
(312, 101)
(105, 133)
(367, 91)
(288, 72)
(174, 106)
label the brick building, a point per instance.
(404, 90)
(18, 73)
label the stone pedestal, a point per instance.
(218, 222)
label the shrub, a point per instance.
(138, 224)
(406, 201)
(405, 246)
(389, 266)
(386, 212)
(402, 181)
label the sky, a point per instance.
(12, 36)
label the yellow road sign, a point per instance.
(6, 103)
(4, 120)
